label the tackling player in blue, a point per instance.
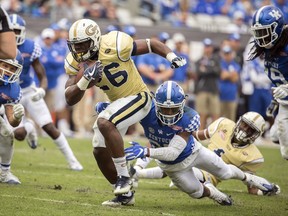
(168, 127)
(271, 42)
(10, 94)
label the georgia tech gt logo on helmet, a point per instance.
(91, 30)
(84, 39)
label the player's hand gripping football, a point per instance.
(93, 72)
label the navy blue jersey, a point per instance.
(10, 93)
(30, 51)
(276, 69)
(160, 135)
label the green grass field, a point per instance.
(49, 188)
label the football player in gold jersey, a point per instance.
(233, 142)
(106, 62)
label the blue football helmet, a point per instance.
(10, 69)
(267, 26)
(19, 27)
(169, 102)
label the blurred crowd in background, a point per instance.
(176, 12)
(219, 82)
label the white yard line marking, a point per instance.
(82, 204)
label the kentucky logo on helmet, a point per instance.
(275, 14)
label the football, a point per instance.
(81, 71)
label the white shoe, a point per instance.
(123, 185)
(121, 200)
(32, 137)
(7, 177)
(218, 196)
(256, 181)
(75, 165)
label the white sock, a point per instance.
(150, 173)
(121, 166)
(64, 147)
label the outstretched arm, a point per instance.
(144, 46)
(169, 153)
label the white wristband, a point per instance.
(170, 56)
(149, 45)
(83, 84)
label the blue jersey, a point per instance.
(10, 93)
(53, 61)
(228, 89)
(276, 69)
(160, 135)
(156, 62)
(30, 51)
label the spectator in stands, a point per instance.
(94, 11)
(229, 77)
(62, 111)
(12, 6)
(168, 9)
(206, 89)
(238, 24)
(210, 7)
(131, 30)
(51, 62)
(112, 27)
(235, 44)
(68, 9)
(261, 97)
(148, 8)
(163, 37)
